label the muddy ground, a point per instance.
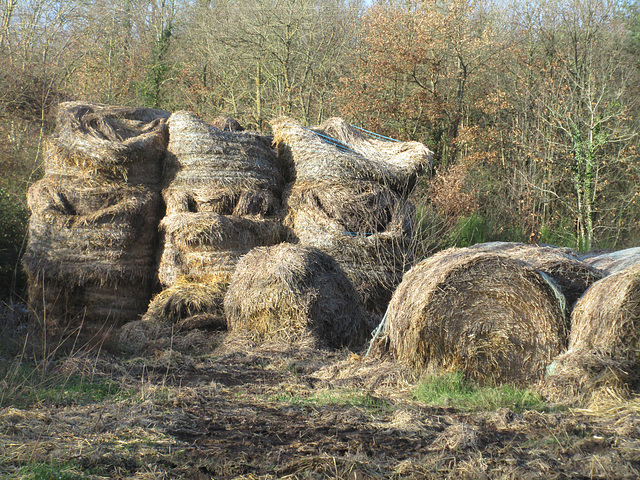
(246, 411)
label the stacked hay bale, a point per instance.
(604, 343)
(222, 190)
(348, 198)
(492, 317)
(294, 292)
(562, 265)
(90, 257)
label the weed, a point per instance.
(55, 471)
(454, 390)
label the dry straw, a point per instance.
(206, 246)
(294, 293)
(110, 142)
(494, 318)
(338, 151)
(349, 200)
(220, 171)
(568, 272)
(604, 344)
(614, 262)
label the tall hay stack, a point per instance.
(294, 292)
(604, 343)
(222, 190)
(349, 199)
(493, 317)
(90, 257)
(569, 273)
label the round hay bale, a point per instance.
(82, 231)
(614, 262)
(494, 318)
(108, 142)
(563, 265)
(317, 155)
(365, 227)
(225, 172)
(205, 247)
(292, 292)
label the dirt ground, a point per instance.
(245, 411)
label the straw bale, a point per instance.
(493, 317)
(338, 151)
(110, 142)
(614, 262)
(563, 265)
(291, 292)
(227, 123)
(225, 172)
(364, 226)
(207, 246)
(82, 231)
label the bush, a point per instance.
(14, 218)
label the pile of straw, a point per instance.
(90, 257)
(562, 265)
(219, 171)
(604, 343)
(173, 314)
(493, 317)
(205, 247)
(349, 199)
(107, 142)
(614, 262)
(294, 293)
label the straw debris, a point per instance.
(493, 317)
(293, 292)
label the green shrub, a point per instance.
(14, 218)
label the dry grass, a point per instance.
(490, 316)
(293, 292)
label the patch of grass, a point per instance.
(455, 391)
(55, 471)
(24, 385)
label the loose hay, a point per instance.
(337, 151)
(614, 262)
(570, 274)
(207, 246)
(293, 292)
(111, 142)
(604, 344)
(220, 171)
(494, 318)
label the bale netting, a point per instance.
(605, 325)
(614, 262)
(364, 226)
(295, 293)
(567, 271)
(492, 317)
(205, 247)
(220, 171)
(314, 155)
(82, 231)
(119, 143)
(173, 314)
